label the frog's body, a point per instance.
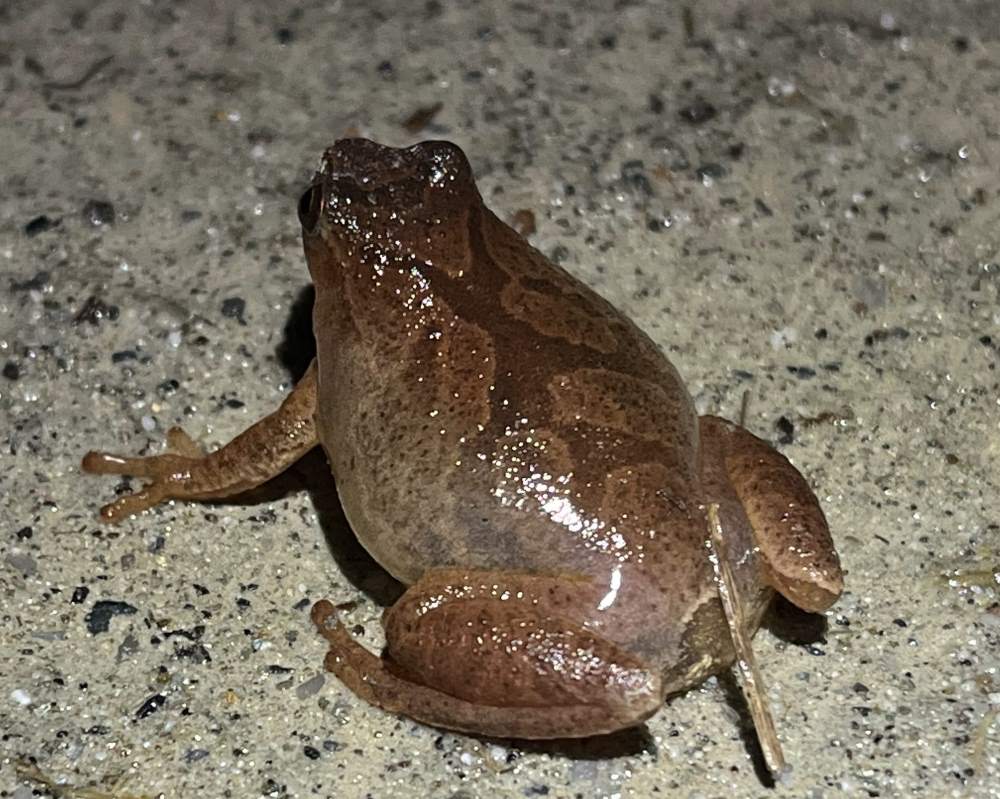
(513, 448)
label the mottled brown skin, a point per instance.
(520, 454)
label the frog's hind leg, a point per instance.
(259, 453)
(490, 654)
(798, 555)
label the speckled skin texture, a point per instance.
(484, 410)
(795, 199)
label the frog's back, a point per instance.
(484, 409)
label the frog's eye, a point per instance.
(310, 207)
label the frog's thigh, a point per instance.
(489, 654)
(788, 525)
(259, 453)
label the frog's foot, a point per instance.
(188, 472)
(170, 474)
(486, 654)
(797, 551)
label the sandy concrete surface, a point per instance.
(796, 199)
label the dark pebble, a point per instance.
(94, 310)
(884, 335)
(167, 387)
(80, 594)
(150, 706)
(99, 618)
(311, 752)
(11, 370)
(40, 224)
(97, 729)
(697, 112)
(98, 213)
(37, 283)
(713, 171)
(234, 308)
(196, 653)
(802, 372)
(24, 533)
(193, 634)
(786, 429)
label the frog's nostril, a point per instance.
(310, 207)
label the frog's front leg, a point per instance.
(797, 553)
(259, 453)
(495, 654)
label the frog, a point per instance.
(519, 455)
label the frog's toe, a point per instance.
(181, 450)
(168, 475)
(155, 467)
(131, 504)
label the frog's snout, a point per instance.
(365, 165)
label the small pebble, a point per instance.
(150, 706)
(498, 754)
(234, 308)
(39, 224)
(21, 697)
(697, 112)
(98, 213)
(99, 618)
(310, 687)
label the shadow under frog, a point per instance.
(517, 453)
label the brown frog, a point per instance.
(519, 454)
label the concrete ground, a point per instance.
(799, 199)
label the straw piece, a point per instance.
(746, 664)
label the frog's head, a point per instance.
(369, 203)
